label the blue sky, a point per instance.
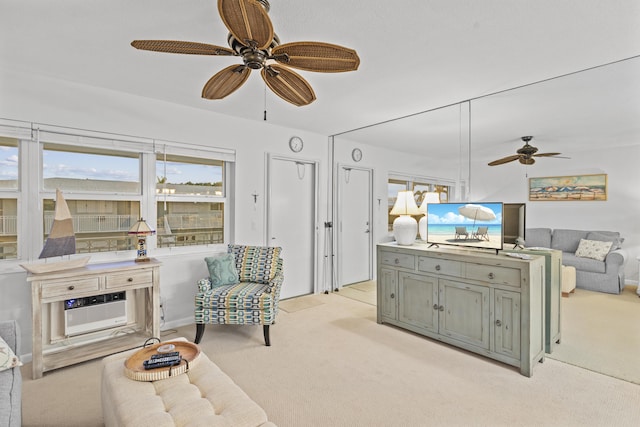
(8, 162)
(447, 213)
(99, 167)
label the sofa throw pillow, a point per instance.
(593, 249)
(8, 359)
(614, 238)
(222, 270)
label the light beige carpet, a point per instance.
(300, 303)
(333, 365)
(363, 291)
(601, 332)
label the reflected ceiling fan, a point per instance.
(252, 38)
(525, 154)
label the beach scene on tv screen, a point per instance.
(466, 224)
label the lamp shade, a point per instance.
(405, 227)
(405, 204)
(141, 228)
(430, 197)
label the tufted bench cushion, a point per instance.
(203, 396)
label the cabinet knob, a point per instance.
(130, 279)
(397, 261)
(441, 308)
(491, 276)
(498, 322)
(438, 267)
(435, 306)
(392, 296)
(71, 287)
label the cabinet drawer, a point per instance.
(132, 278)
(70, 287)
(440, 266)
(398, 260)
(494, 274)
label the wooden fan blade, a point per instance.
(288, 85)
(226, 82)
(173, 46)
(247, 21)
(505, 160)
(317, 56)
(546, 154)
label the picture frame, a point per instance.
(572, 188)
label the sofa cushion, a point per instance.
(8, 359)
(567, 240)
(594, 249)
(222, 270)
(607, 236)
(583, 264)
(538, 237)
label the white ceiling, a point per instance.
(416, 55)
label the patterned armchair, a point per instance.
(243, 289)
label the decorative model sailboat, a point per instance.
(61, 241)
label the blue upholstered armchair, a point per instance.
(243, 289)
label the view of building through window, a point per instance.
(8, 205)
(190, 207)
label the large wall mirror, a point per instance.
(591, 117)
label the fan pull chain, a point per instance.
(265, 102)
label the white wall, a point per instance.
(43, 100)
(509, 183)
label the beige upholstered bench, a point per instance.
(568, 280)
(203, 396)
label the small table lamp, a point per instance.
(141, 230)
(429, 197)
(405, 227)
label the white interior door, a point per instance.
(291, 220)
(354, 225)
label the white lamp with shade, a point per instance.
(405, 227)
(429, 197)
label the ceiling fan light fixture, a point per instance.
(525, 154)
(251, 37)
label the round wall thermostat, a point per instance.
(356, 154)
(296, 144)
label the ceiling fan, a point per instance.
(251, 37)
(525, 154)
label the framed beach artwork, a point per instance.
(568, 188)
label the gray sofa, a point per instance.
(11, 379)
(602, 276)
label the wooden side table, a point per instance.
(52, 350)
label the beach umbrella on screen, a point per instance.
(477, 212)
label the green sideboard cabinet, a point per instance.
(553, 292)
(486, 303)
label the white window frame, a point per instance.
(30, 193)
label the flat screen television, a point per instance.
(514, 220)
(477, 225)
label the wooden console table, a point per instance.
(493, 305)
(52, 350)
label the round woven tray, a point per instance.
(134, 368)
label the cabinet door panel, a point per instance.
(388, 288)
(418, 294)
(464, 312)
(507, 323)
